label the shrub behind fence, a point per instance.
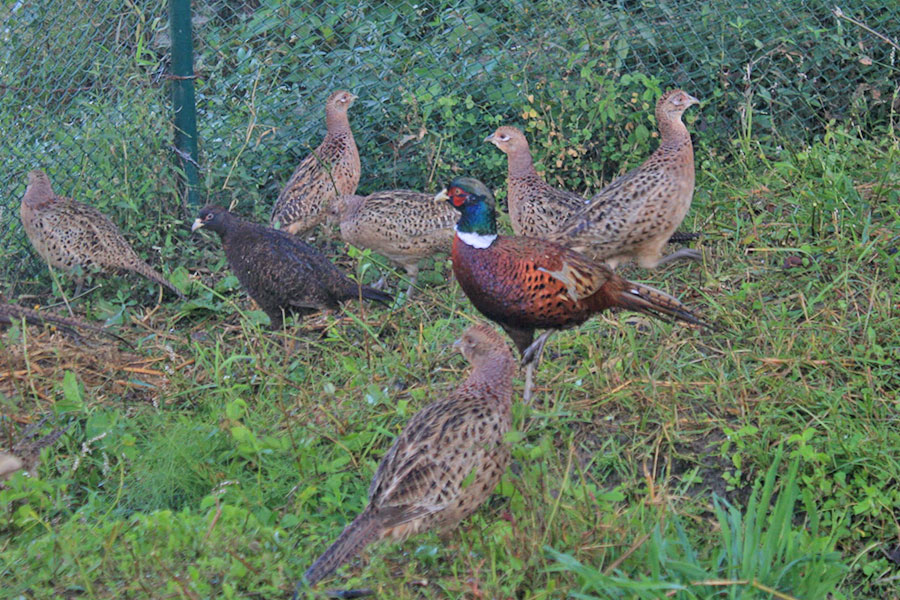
(84, 92)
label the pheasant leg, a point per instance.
(681, 254)
(529, 384)
(531, 358)
(533, 352)
(413, 274)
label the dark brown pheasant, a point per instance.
(634, 216)
(524, 284)
(77, 238)
(444, 464)
(331, 170)
(280, 272)
(403, 225)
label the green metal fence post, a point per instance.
(183, 96)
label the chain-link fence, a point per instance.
(84, 91)
(81, 96)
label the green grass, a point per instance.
(756, 553)
(228, 457)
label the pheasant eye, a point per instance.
(457, 196)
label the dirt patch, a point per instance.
(33, 368)
(663, 456)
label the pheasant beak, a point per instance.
(197, 225)
(442, 196)
(489, 138)
(691, 100)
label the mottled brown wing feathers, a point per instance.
(331, 170)
(612, 205)
(416, 476)
(417, 213)
(580, 275)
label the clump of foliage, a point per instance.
(434, 78)
(759, 553)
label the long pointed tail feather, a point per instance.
(370, 293)
(151, 274)
(679, 237)
(648, 300)
(364, 530)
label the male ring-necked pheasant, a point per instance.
(536, 208)
(635, 215)
(280, 272)
(524, 284)
(444, 464)
(331, 170)
(76, 238)
(403, 225)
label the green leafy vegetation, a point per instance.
(754, 553)
(85, 96)
(218, 459)
(228, 457)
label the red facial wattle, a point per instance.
(457, 197)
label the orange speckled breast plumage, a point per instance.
(506, 282)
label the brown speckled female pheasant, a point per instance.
(280, 272)
(536, 208)
(446, 461)
(70, 235)
(634, 216)
(524, 284)
(403, 225)
(331, 170)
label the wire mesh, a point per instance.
(83, 91)
(80, 97)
